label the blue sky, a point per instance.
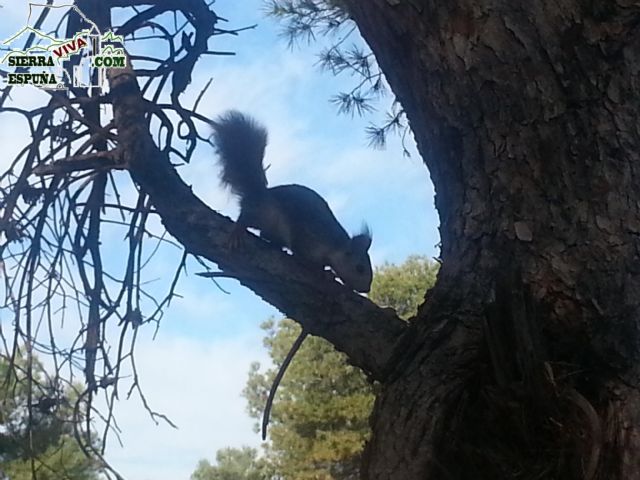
(196, 367)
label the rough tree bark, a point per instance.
(523, 362)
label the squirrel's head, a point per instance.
(353, 264)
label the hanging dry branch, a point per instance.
(62, 196)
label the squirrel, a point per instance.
(291, 216)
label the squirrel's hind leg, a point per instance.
(236, 237)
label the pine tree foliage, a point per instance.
(233, 464)
(38, 442)
(305, 21)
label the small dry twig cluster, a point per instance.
(63, 200)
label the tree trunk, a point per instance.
(523, 362)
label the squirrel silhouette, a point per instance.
(292, 216)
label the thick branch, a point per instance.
(352, 323)
(520, 110)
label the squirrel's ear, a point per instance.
(362, 241)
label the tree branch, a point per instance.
(352, 323)
(101, 160)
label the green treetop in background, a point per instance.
(319, 422)
(233, 464)
(50, 449)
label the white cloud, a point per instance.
(14, 16)
(198, 385)
(14, 134)
(260, 89)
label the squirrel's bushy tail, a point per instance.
(240, 142)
